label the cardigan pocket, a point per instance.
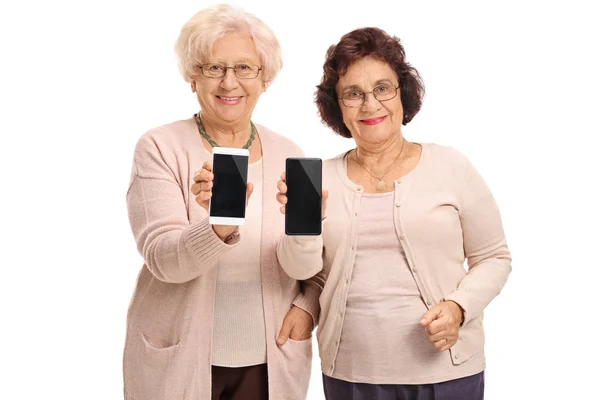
(297, 357)
(158, 345)
(152, 373)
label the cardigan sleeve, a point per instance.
(485, 247)
(174, 250)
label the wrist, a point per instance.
(460, 312)
(226, 234)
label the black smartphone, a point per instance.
(228, 202)
(304, 179)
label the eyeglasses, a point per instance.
(242, 71)
(356, 98)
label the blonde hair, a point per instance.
(199, 34)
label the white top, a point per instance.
(239, 337)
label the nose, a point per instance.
(229, 81)
(370, 103)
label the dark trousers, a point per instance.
(468, 388)
(245, 383)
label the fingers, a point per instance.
(430, 316)
(445, 343)
(438, 336)
(282, 187)
(203, 186)
(281, 198)
(205, 174)
(202, 199)
(437, 326)
(286, 329)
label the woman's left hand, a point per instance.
(297, 325)
(441, 324)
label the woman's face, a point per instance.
(230, 99)
(374, 122)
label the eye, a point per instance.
(243, 67)
(382, 89)
(355, 94)
(214, 67)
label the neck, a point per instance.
(378, 158)
(233, 135)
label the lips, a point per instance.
(373, 121)
(229, 100)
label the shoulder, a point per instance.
(174, 135)
(333, 169)
(444, 157)
(444, 153)
(165, 145)
(334, 162)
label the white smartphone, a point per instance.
(227, 205)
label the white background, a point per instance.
(513, 85)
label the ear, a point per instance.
(193, 85)
(264, 86)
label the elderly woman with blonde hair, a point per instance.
(213, 315)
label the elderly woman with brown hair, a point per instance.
(401, 318)
(212, 310)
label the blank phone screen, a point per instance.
(229, 186)
(303, 208)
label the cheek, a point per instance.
(348, 117)
(254, 89)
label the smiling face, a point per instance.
(230, 100)
(374, 122)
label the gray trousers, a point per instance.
(468, 388)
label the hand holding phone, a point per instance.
(302, 196)
(221, 188)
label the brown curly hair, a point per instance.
(353, 46)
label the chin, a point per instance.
(376, 134)
(231, 114)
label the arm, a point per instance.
(300, 256)
(173, 250)
(308, 298)
(485, 247)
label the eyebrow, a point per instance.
(238, 61)
(378, 82)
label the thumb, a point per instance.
(284, 333)
(430, 316)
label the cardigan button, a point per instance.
(398, 204)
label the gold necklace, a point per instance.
(381, 183)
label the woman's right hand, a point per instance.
(282, 196)
(202, 189)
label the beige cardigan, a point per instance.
(169, 323)
(444, 215)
